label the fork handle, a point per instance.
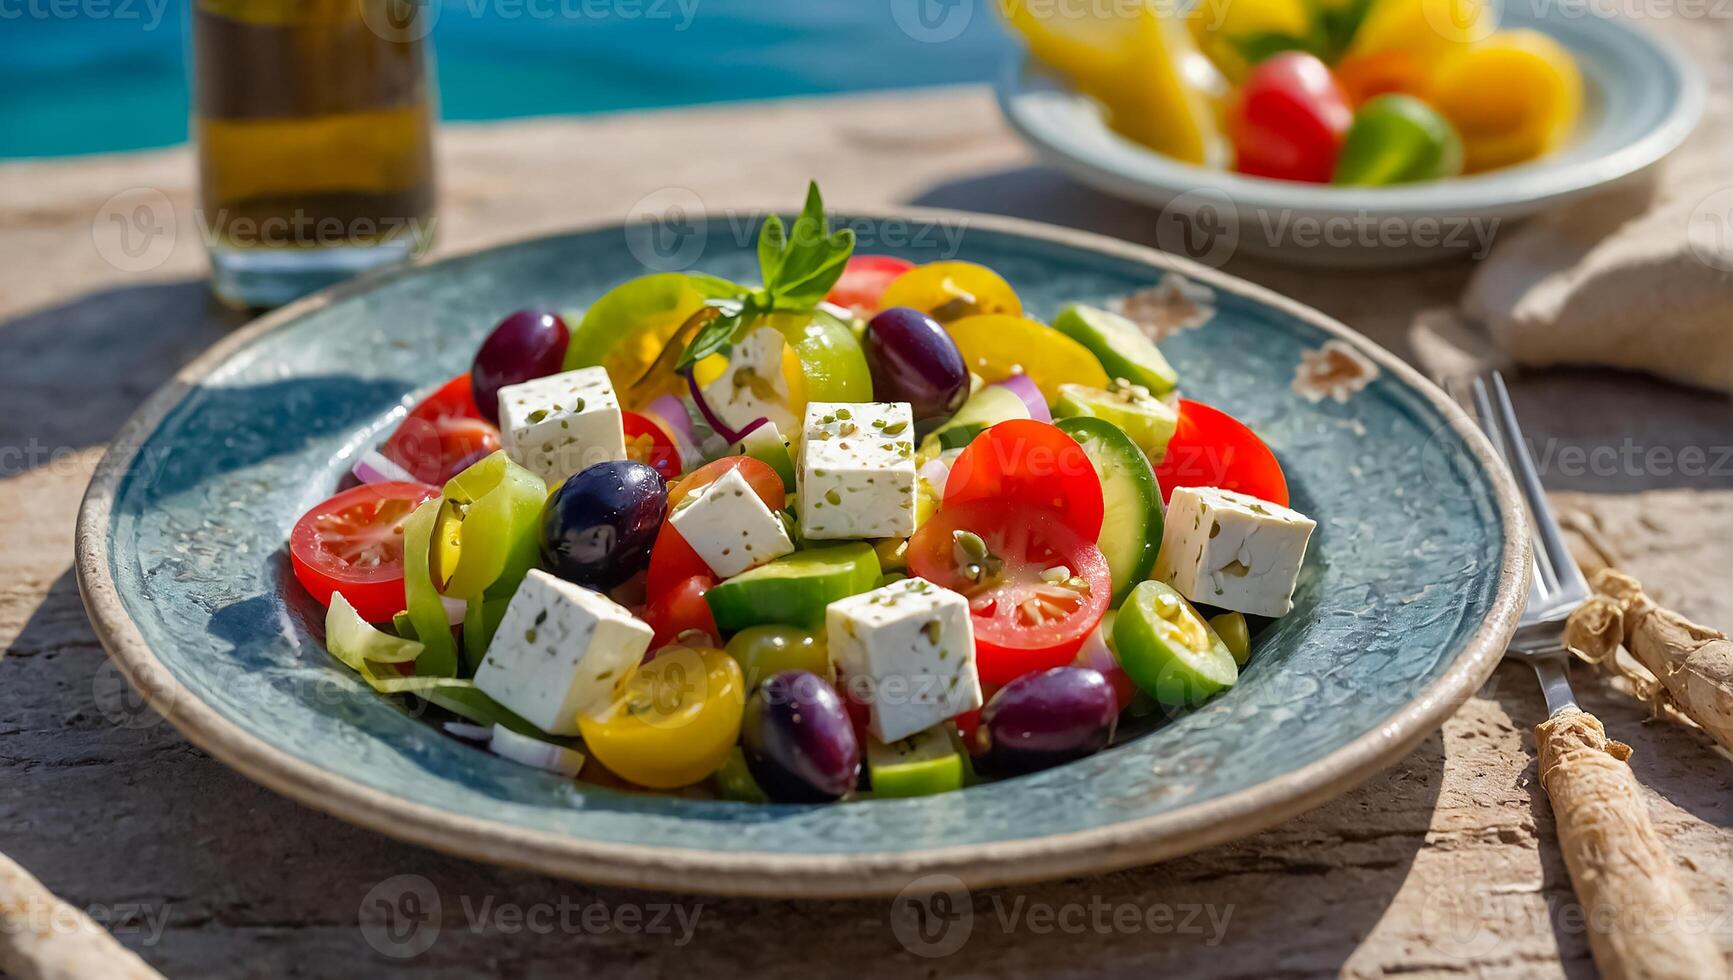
(1641, 921)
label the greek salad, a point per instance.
(868, 528)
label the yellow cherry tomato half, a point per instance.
(674, 721)
(1513, 97)
(952, 290)
(996, 346)
(1426, 29)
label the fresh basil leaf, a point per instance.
(772, 248)
(816, 284)
(809, 245)
(716, 287)
(715, 335)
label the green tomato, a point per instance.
(1167, 649)
(763, 651)
(1231, 627)
(734, 780)
(1398, 139)
(627, 327)
(832, 364)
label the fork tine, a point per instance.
(1509, 446)
(1554, 550)
(1470, 393)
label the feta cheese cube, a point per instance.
(729, 527)
(908, 649)
(562, 424)
(1231, 550)
(754, 386)
(857, 471)
(560, 650)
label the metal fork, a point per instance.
(1556, 585)
(1641, 920)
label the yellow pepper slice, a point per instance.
(996, 346)
(1143, 67)
(1513, 97)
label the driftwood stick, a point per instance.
(43, 938)
(1642, 922)
(1693, 663)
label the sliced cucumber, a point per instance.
(767, 444)
(989, 406)
(1132, 521)
(1119, 345)
(923, 764)
(794, 589)
(1167, 649)
(1148, 420)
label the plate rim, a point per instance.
(767, 874)
(1500, 193)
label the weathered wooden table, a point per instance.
(1445, 864)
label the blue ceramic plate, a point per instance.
(1641, 98)
(1409, 592)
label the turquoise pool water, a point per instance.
(87, 76)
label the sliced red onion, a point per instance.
(468, 732)
(753, 426)
(1025, 389)
(454, 610)
(671, 412)
(935, 472)
(375, 467)
(710, 417)
(535, 752)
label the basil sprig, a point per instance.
(799, 266)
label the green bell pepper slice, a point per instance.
(490, 520)
(1398, 139)
(426, 613)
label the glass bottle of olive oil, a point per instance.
(314, 121)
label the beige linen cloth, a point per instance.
(1640, 277)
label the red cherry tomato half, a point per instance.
(680, 610)
(1290, 120)
(1211, 448)
(443, 434)
(1032, 465)
(864, 280)
(648, 443)
(1023, 622)
(672, 560)
(353, 544)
